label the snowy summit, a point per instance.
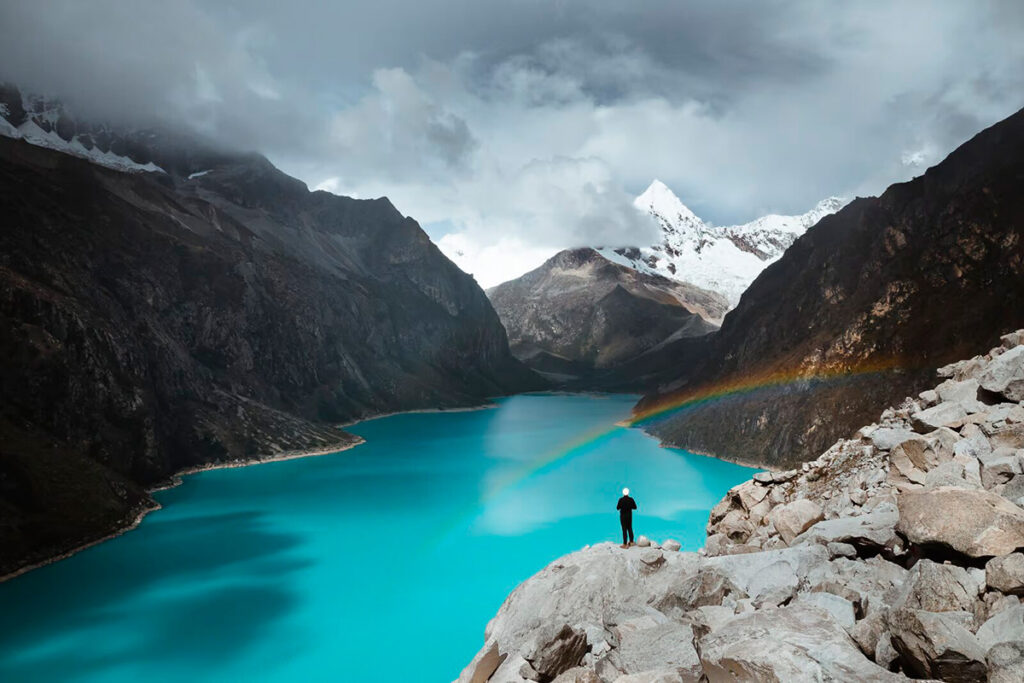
(723, 259)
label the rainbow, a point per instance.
(548, 460)
(663, 408)
(689, 399)
(750, 383)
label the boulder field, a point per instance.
(895, 554)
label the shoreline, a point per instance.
(134, 523)
(734, 461)
(663, 444)
(464, 409)
(175, 480)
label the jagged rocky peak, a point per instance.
(579, 313)
(572, 259)
(769, 236)
(725, 259)
(896, 554)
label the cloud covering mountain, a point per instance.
(516, 129)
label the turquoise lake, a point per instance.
(380, 563)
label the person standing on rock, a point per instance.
(625, 507)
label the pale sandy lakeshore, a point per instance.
(463, 409)
(175, 480)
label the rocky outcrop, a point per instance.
(860, 565)
(861, 310)
(800, 642)
(976, 522)
(1006, 574)
(154, 322)
(588, 323)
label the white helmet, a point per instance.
(625, 492)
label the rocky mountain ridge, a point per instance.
(861, 310)
(46, 122)
(723, 259)
(897, 553)
(579, 316)
(211, 312)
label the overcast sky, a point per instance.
(512, 129)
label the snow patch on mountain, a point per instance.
(723, 259)
(48, 113)
(31, 133)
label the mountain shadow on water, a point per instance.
(211, 623)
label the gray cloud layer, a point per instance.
(521, 127)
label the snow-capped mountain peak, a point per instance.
(679, 225)
(659, 200)
(723, 259)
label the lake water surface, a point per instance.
(380, 563)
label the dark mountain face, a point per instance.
(579, 317)
(888, 289)
(153, 322)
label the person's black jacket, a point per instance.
(625, 507)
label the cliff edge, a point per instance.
(895, 554)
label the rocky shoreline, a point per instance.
(137, 514)
(895, 554)
(130, 522)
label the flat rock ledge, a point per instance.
(896, 554)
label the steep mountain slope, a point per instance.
(722, 259)
(578, 316)
(861, 310)
(154, 321)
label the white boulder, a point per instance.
(793, 643)
(1006, 573)
(973, 522)
(792, 519)
(1005, 375)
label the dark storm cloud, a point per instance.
(708, 42)
(146, 62)
(528, 124)
(245, 66)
